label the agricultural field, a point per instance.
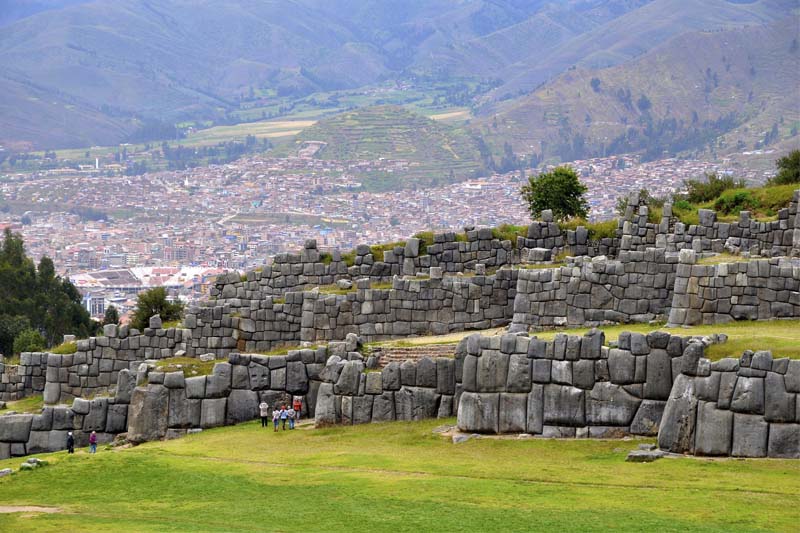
(397, 476)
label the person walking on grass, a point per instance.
(297, 404)
(276, 416)
(70, 443)
(93, 442)
(284, 417)
(291, 414)
(264, 411)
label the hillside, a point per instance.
(436, 152)
(736, 85)
(91, 72)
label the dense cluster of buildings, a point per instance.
(201, 221)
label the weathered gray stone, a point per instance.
(792, 376)
(784, 441)
(116, 418)
(659, 375)
(445, 376)
(648, 418)
(212, 412)
(608, 404)
(374, 383)
(259, 377)
(148, 413)
(426, 373)
(561, 372)
(349, 379)
(391, 376)
(242, 406)
(416, 403)
(492, 371)
(362, 409)
(15, 428)
(541, 370)
(277, 379)
(621, 366)
(383, 407)
(296, 378)
(519, 373)
(479, 412)
(779, 405)
(325, 410)
(535, 410)
(196, 387)
(749, 436)
(714, 430)
(408, 374)
(583, 373)
(513, 412)
(748, 396)
(126, 382)
(95, 420)
(677, 431)
(564, 406)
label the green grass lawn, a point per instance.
(31, 404)
(782, 337)
(396, 477)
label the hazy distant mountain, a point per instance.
(722, 91)
(76, 73)
(14, 10)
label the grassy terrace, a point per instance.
(31, 404)
(396, 477)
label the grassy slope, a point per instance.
(675, 82)
(397, 477)
(392, 132)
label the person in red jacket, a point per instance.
(297, 405)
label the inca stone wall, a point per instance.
(95, 366)
(746, 407)
(408, 391)
(411, 307)
(18, 381)
(753, 290)
(637, 287)
(24, 434)
(572, 386)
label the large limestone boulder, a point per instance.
(148, 413)
(608, 404)
(680, 415)
(242, 406)
(479, 412)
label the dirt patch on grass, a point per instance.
(27, 509)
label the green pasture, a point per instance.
(395, 477)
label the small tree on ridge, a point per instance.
(559, 190)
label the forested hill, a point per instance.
(80, 73)
(703, 91)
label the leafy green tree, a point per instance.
(154, 302)
(29, 340)
(788, 169)
(559, 190)
(10, 327)
(36, 298)
(111, 316)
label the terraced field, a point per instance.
(436, 152)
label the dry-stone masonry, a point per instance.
(746, 407)
(572, 386)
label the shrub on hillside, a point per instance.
(29, 340)
(700, 191)
(788, 169)
(560, 191)
(154, 302)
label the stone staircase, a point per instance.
(389, 354)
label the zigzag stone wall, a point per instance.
(752, 290)
(635, 288)
(746, 407)
(572, 386)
